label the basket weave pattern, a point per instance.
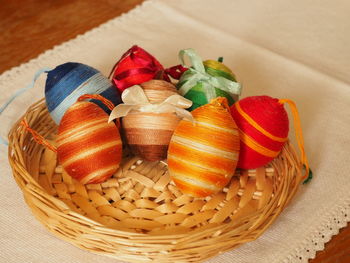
(139, 215)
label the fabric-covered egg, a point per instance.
(67, 82)
(203, 154)
(263, 125)
(88, 147)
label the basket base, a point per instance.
(141, 198)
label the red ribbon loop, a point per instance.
(176, 71)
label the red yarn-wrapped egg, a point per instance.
(137, 66)
(88, 147)
(263, 126)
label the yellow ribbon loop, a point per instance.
(135, 99)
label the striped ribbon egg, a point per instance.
(147, 133)
(67, 82)
(203, 155)
(263, 126)
(88, 147)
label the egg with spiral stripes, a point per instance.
(148, 133)
(68, 81)
(203, 155)
(263, 125)
(88, 147)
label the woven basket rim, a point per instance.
(39, 199)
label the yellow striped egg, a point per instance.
(202, 155)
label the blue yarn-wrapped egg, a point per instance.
(67, 82)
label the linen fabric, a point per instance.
(298, 50)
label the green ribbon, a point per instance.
(197, 74)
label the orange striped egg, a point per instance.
(203, 155)
(88, 147)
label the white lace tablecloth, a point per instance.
(291, 49)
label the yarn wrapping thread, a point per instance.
(88, 147)
(217, 68)
(135, 67)
(150, 115)
(200, 86)
(203, 155)
(264, 126)
(67, 82)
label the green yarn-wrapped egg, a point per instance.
(207, 80)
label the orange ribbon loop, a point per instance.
(37, 137)
(105, 101)
(298, 134)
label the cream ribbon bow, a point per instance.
(135, 99)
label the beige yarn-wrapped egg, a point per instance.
(148, 133)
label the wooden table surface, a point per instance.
(29, 27)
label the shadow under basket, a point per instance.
(139, 215)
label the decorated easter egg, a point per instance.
(207, 80)
(67, 82)
(135, 67)
(148, 133)
(203, 155)
(217, 68)
(88, 147)
(263, 125)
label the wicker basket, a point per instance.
(139, 215)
